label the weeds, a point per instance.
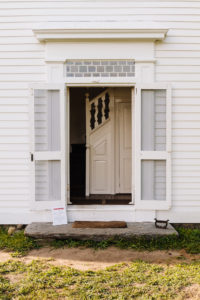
(18, 243)
(138, 280)
(188, 239)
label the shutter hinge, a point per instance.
(32, 158)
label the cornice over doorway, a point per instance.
(64, 31)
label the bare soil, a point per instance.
(192, 292)
(89, 259)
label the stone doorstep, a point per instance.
(48, 231)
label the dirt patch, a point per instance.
(15, 278)
(90, 259)
(192, 292)
(87, 258)
(4, 256)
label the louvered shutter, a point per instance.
(48, 153)
(153, 146)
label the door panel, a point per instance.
(47, 180)
(47, 120)
(101, 168)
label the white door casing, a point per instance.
(139, 46)
(124, 141)
(125, 147)
(48, 146)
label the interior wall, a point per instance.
(77, 112)
(77, 116)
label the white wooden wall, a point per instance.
(22, 62)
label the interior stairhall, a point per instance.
(78, 141)
(78, 154)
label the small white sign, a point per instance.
(59, 216)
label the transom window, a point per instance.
(100, 68)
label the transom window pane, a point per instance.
(153, 127)
(47, 120)
(153, 180)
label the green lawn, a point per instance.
(137, 280)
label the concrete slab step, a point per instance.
(47, 230)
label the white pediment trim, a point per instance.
(90, 31)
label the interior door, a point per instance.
(100, 144)
(125, 147)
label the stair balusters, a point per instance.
(99, 107)
(92, 116)
(99, 111)
(107, 109)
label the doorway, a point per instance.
(100, 145)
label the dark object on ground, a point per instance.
(161, 223)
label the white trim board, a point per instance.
(69, 31)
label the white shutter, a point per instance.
(153, 146)
(48, 150)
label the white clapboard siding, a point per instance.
(22, 62)
(95, 17)
(37, 62)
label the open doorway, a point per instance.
(100, 145)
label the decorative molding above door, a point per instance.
(92, 30)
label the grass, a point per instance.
(137, 280)
(18, 243)
(189, 239)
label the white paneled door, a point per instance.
(109, 143)
(100, 144)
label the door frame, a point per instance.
(117, 140)
(132, 86)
